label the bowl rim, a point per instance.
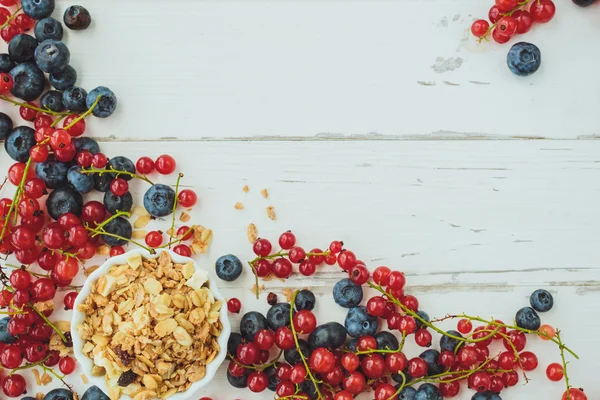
(78, 317)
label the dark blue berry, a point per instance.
(22, 48)
(6, 63)
(114, 203)
(121, 163)
(6, 126)
(347, 293)
(53, 173)
(488, 395)
(309, 388)
(52, 56)
(251, 323)
(63, 200)
(159, 200)
(107, 104)
(292, 356)
(527, 318)
(118, 226)
(423, 315)
(234, 341)
(239, 382)
(360, 323)
(524, 58)
(48, 28)
(102, 182)
(279, 315)
(28, 398)
(541, 300)
(271, 373)
(386, 341)
(83, 183)
(52, 100)
(28, 81)
(331, 335)
(431, 357)
(94, 393)
(228, 267)
(38, 9)
(77, 18)
(58, 394)
(427, 391)
(305, 300)
(64, 79)
(6, 337)
(584, 3)
(19, 142)
(398, 378)
(407, 393)
(74, 98)
(86, 143)
(450, 344)
(351, 345)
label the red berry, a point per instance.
(480, 27)
(165, 164)
(77, 129)
(304, 322)
(144, 165)
(510, 378)
(66, 154)
(24, 22)
(322, 361)
(499, 37)
(410, 302)
(307, 268)
(366, 343)
(296, 254)
(507, 360)
(69, 300)
(41, 332)
(518, 340)
(396, 280)
(282, 268)
(234, 306)
(42, 121)
(6, 83)
(257, 381)
(385, 391)
(529, 361)
(350, 362)
(449, 389)
(480, 333)
(183, 250)
(93, 211)
(68, 220)
(467, 356)
(507, 26)
(480, 381)
(396, 362)
(336, 246)
(17, 327)
(494, 14)
(39, 153)
(35, 188)
(262, 247)
(4, 13)
(60, 139)
(22, 238)
(35, 351)
(298, 374)
(284, 338)
(359, 274)
(264, 339)
(574, 394)
(505, 6)
(330, 259)
(235, 369)
(283, 371)
(287, 240)
(187, 198)
(66, 365)
(248, 353)
(20, 279)
(10, 357)
(335, 376)
(14, 385)
(542, 11)
(497, 384)
(376, 306)
(354, 383)
(184, 232)
(285, 389)
(154, 239)
(524, 21)
(16, 172)
(53, 236)
(346, 260)
(343, 395)
(393, 320)
(373, 366)
(42, 290)
(99, 160)
(464, 326)
(66, 269)
(27, 113)
(447, 358)
(381, 275)
(417, 367)
(263, 268)
(546, 332)
(87, 251)
(423, 337)
(119, 187)
(555, 372)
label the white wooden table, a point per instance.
(382, 123)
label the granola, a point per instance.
(151, 327)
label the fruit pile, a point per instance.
(485, 356)
(48, 223)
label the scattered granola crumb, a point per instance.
(246, 189)
(238, 206)
(185, 217)
(84, 379)
(88, 271)
(139, 210)
(141, 222)
(45, 379)
(271, 213)
(39, 396)
(260, 288)
(139, 234)
(289, 294)
(265, 193)
(103, 250)
(36, 375)
(252, 233)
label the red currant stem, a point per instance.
(463, 374)
(11, 18)
(172, 230)
(29, 365)
(16, 199)
(111, 170)
(42, 316)
(84, 115)
(26, 105)
(21, 267)
(59, 377)
(306, 366)
(66, 254)
(564, 363)
(400, 387)
(56, 121)
(179, 238)
(273, 361)
(257, 290)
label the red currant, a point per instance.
(66, 154)
(304, 322)
(447, 358)
(187, 198)
(335, 376)
(35, 188)
(410, 302)
(417, 367)
(24, 22)
(165, 164)
(184, 232)
(262, 247)
(42, 290)
(41, 332)
(298, 374)
(336, 246)
(497, 384)
(17, 327)
(507, 26)
(555, 372)
(77, 235)
(99, 160)
(381, 275)
(69, 300)
(60, 139)
(354, 382)
(16, 172)
(77, 129)
(574, 394)
(480, 27)
(10, 357)
(257, 381)
(376, 306)
(518, 340)
(285, 389)
(524, 21)
(322, 361)
(119, 187)
(359, 274)
(449, 389)
(282, 268)
(154, 239)
(330, 259)
(346, 260)
(53, 236)
(144, 165)
(494, 14)
(87, 251)
(283, 371)
(66, 365)
(14, 385)
(68, 220)
(373, 366)
(236, 369)
(423, 337)
(263, 268)
(39, 153)
(183, 250)
(505, 6)
(480, 381)
(467, 356)
(547, 332)
(27, 113)
(42, 121)
(264, 339)
(343, 395)
(499, 37)
(67, 269)
(20, 279)
(542, 11)
(385, 391)
(529, 361)
(296, 254)
(93, 211)
(35, 351)
(284, 338)
(307, 268)
(287, 240)
(396, 362)
(464, 326)
(234, 306)
(366, 343)
(507, 360)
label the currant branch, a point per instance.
(13, 16)
(50, 324)
(16, 200)
(84, 115)
(29, 365)
(564, 363)
(38, 109)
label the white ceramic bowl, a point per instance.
(78, 317)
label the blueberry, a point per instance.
(83, 183)
(427, 391)
(58, 394)
(86, 143)
(52, 56)
(48, 28)
(584, 3)
(22, 48)
(541, 300)
(28, 81)
(28, 398)
(63, 200)
(228, 267)
(527, 318)
(279, 315)
(407, 393)
(450, 344)
(251, 323)
(398, 377)
(239, 382)
(431, 357)
(386, 341)
(271, 373)
(118, 226)
(6, 337)
(62, 80)
(94, 393)
(6, 126)
(292, 356)
(524, 58)
(102, 182)
(159, 200)
(38, 9)
(18, 143)
(53, 173)
(52, 100)
(234, 341)
(114, 203)
(107, 104)
(121, 163)
(351, 345)
(487, 395)
(347, 293)
(305, 300)
(423, 315)
(331, 335)
(74, 98)
(360, 323)
(309, 388)
(77, 18)
(6, 63)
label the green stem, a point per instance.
(111, 170)
(31, 272)
(84, 115)
(99, 229)
(172, 230)
(57, 120)
(42, 316)
(179, 238)
(30, 365)
(13, 16)
(16, 199)
(27, 105)
(564, 363)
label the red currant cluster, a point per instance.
(510, 17)
(12, 24)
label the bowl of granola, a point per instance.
(150, 326)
